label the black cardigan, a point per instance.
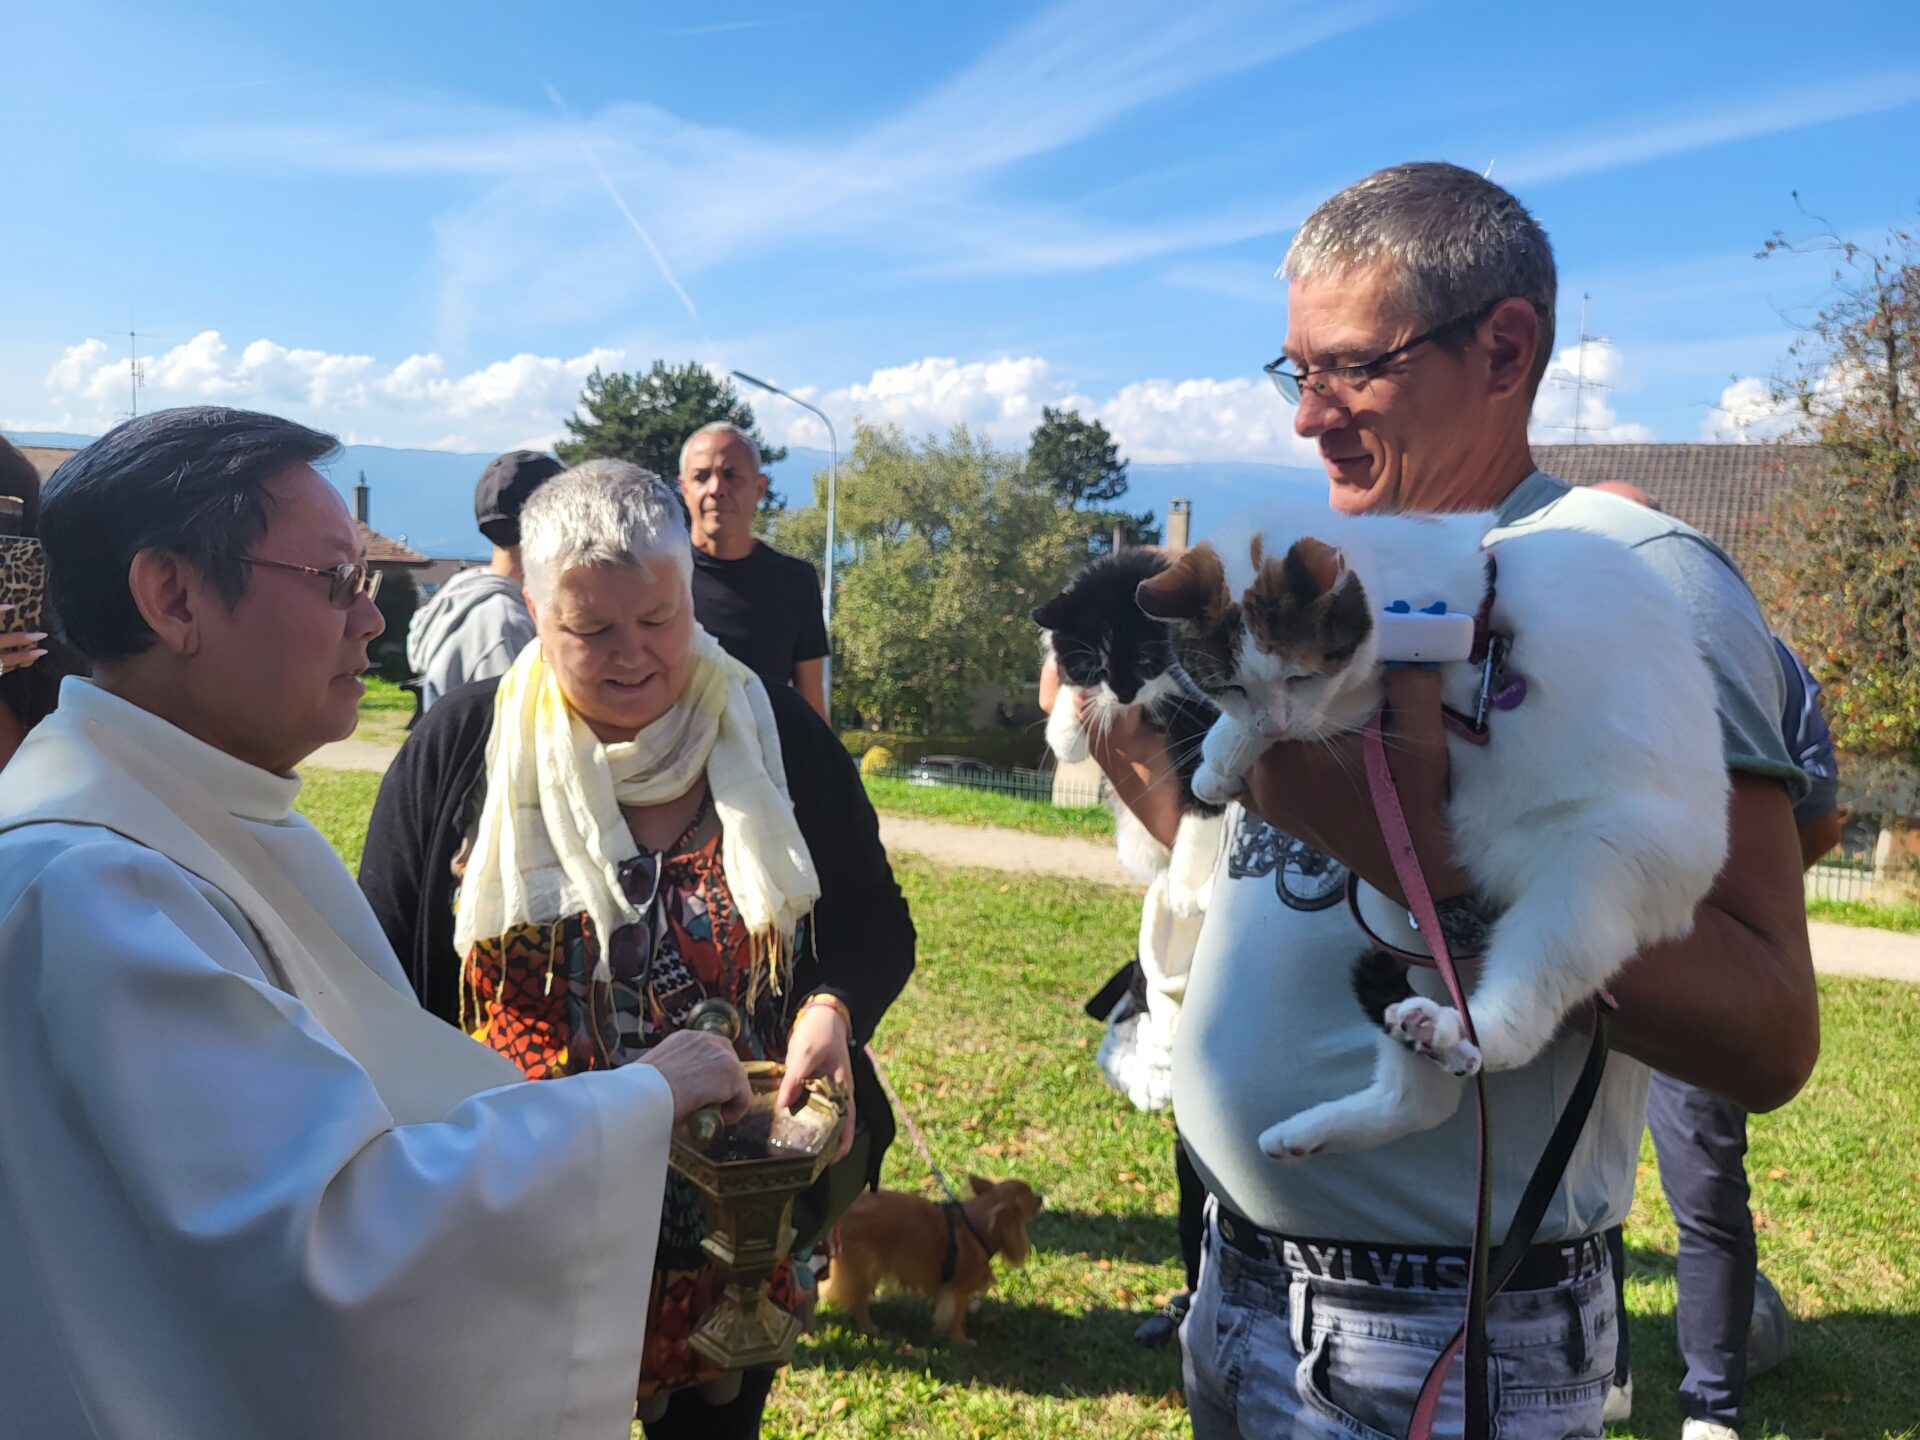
(863, 947)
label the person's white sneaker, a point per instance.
(1619, 1403)
(1707, 1430)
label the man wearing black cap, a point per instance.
(478, 622)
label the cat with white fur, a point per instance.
(1593, 821)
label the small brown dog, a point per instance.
(945, 1251)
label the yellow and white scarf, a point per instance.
(551, 839)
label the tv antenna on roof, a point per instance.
(135, 376)
(1580, 384)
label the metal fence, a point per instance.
(1037, 786)
(1843, 878)
(1848, 874)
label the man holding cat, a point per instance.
(1421, 306)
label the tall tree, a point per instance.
(646, 418)
(946, 546)
(1078, 458)
(1841, 561)
(1081, 463)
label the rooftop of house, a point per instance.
(1723, 491)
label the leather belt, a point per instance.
(1407, 1267)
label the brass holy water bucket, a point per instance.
(748, 1176)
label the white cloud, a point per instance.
(413, 403)
(998, 398)
(1573, 403)
(1747, 413)
(1153, 421)
(523, 400)
(1205, 419)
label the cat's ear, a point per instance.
(1188, 589)
(1313, 568)
(1051, 615)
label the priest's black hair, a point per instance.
(190, 481)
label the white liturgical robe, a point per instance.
(219, 1217)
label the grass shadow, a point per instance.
(1138, 1235)
(1033, 1349)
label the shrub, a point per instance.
(877, 758)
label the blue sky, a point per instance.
(421, 224)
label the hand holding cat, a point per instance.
(1134, 756)
(1318, 791)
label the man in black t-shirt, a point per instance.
(761, 605)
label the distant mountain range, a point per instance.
(425, 497)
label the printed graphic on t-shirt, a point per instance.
(1303, 878)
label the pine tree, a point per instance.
(646, 418)
(1080, 462)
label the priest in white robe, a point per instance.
(247, 1187)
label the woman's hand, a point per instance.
(19, 648)
(701, 1070)
(820, 1045)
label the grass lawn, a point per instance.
(1903, 917)
(338, 802)
(963, 806)
(995, 1059)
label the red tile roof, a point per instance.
(1723, 491)
(383, 551)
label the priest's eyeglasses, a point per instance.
(1350, 379)
(346, 582)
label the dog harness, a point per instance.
(950, 1262)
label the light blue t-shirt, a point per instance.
(1270, 1025)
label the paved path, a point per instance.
(352, 755)
(992, 848)
(1837, 949)
(1861, 950)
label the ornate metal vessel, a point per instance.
(748, 1176)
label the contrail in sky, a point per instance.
(613, 194)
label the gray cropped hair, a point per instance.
(720, 427)
(1454, 244)
(601, 512)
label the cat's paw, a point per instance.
(1433, 1030)
(1217, 788)
(1294, 1138)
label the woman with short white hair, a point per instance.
(573, 856)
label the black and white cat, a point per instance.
(1104, 645)
(1594, 822)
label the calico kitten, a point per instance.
(1104, 644)
(1593, 822)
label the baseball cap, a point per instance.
(503, 489)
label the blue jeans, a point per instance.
(1701, 1139)
(1273, 1353)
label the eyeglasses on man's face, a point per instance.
(346, 582)
(1351, 379)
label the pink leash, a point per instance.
(1406, 865)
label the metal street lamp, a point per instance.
(833, 480)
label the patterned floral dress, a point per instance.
(531, 995)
